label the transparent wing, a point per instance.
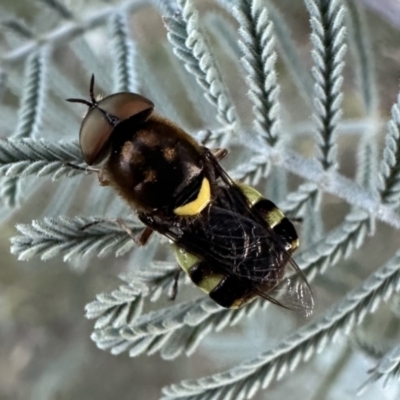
(293, 292)
(237, 246)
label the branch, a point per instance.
(327, 181)
(257, 44)
(40, 158)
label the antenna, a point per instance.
(91, 92)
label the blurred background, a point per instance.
(45, 347)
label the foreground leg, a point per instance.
(140, 240)
(219, 154)
(78, 167)
(103, 180)
(174, 287)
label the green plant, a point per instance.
(263, 133)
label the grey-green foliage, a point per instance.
(258, 47)
(121, 325)
(29, 116)
(387, 368)
(72, 237)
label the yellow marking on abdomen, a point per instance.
(242, 301)
(210, 282)
(274, 216)
(295, 245)
(197, 205)
(187, 261)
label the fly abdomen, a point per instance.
(227, 291)
(204, 276)
(281, 225)
(232, 292)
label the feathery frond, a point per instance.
(42, 160)
(338, 244)
(3, 80)
(189, 322)
(39, 157)
(122, 307)
(390, 166)
(190, 45)
(167, 8)
(367, 171)
(388, 368)
(328, 33)
(287, 46)
(259, 56)
(18, 27)
(72, 237)
(59, 8)
(361, 47)
(60, 50)
(29, 117)
(298, 201)
(253, 171)
(124, 53)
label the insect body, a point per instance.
(255, 258)
(233, 243)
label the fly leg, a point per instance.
(100, 173)
(80, 168)
(140, 240)
(206, 138)
(219, 154)
(174, 287)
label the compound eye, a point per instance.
(96, 128)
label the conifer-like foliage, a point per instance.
(316, 145)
